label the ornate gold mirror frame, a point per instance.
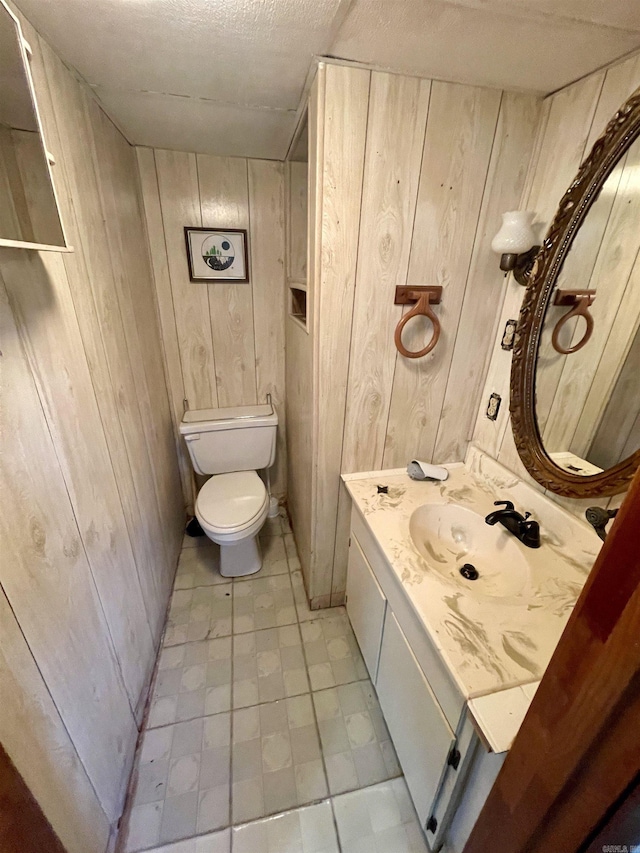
(620, 133)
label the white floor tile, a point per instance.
(248, 657)
(305, 830)
(194, 679)
(379, 819)
(330, 648)
(277, 760)
(183, 782)
(356, 745)
(215, 842)
(263, 602)
(268, 665)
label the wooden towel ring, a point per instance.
(424, 297)
(581, 300)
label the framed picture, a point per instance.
(217, 254)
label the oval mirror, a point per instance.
(575, 382)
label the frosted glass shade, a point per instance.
(516, 234)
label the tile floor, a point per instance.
(264, 732)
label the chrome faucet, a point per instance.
(528, 532)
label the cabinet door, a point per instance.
(365, 605)
(419, 729)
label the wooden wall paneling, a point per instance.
(341, 548)
(266, 204)
(488, 434)
(94, 294)
(105, 281)
(35, 738)
(53, 111)
(169, 335)
(565, 125)
(60, 98)
(572, 119)
(345, 122)
(38, 292)
(47, 563)
(122, 228)
(300, 380)
(571, 129)
(460, 131)
(180, 205)
(395, 134)
(485, 292)
(156, 410)
(618, 83)
(224, 203)
(396, 124)
(316, 131)
(571, 113)
(298, 175)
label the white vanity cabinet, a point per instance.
(366, 606)
(418, 728)
(425, 713)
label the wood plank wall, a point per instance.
(572, 120)
(412, 178)
(93, 512)
(223, 343)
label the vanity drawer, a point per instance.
(420, 732)
(366, 605)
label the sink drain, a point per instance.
(469, 572)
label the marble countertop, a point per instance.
(489, 644)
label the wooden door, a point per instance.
(578, 750)
(23, 826)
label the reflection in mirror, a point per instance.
(28, 208)
(588, 402)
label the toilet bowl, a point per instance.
(232, 445)
(231, 509)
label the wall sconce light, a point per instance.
(516, 243)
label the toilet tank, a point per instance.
(236, 439)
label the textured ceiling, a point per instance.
(226, 76)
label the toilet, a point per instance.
(232, 444)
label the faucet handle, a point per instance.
(527, 515)
(505, 504)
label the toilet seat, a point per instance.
(233, 506)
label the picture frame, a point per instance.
(217, 254)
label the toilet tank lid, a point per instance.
(236, 417)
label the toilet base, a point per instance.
(240, 558)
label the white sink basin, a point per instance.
(449, 536)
